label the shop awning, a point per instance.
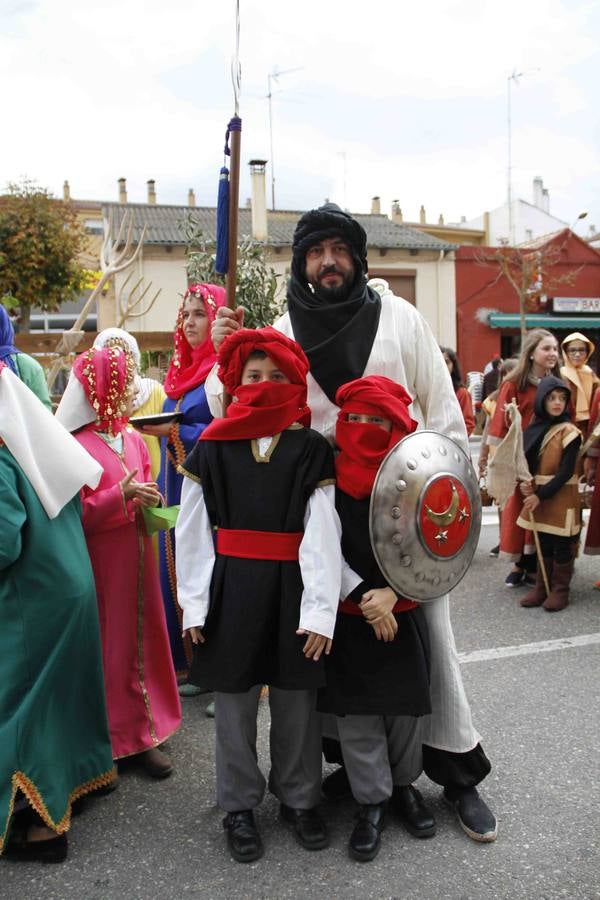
(544, 320)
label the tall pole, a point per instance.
(511, 231)
(273, 76)
(234, 194)
(514, 76)
(235, 126)
(269, 97)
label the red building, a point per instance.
(564, 297)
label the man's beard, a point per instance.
(337, 293)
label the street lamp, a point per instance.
(273, 76)
(582, 215)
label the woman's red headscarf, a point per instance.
(190, 365)
(106, 375)
(260, 410)
(363, 447)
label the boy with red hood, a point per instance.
(260, 604)
(378, 672)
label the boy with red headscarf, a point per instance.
(260, 604)
(378, 672)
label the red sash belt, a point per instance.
(279, 545)
(353, 609)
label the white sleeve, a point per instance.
(214, 393)
(320, 558)
(195, 557)
(350, 580)
(433, 387)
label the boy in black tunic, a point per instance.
(260, 605)
(378, 671)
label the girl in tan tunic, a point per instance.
(551, 445)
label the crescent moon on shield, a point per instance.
(447, 516)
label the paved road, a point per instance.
(538, 713)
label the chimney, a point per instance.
(463, 220)
(259, 199)
(441, 220)
(422, 216)
(66, 192)
(122, 190)
(151, 191)
(248, 202)
(396, 212)
(538, 192)
(545, 200)
(376, 206)
(191, 197)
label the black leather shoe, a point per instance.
(366, 835)
(308, 825)
(336, 786)
(409, 806)
(242, 836)
(475, 817)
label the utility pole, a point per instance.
(272, 77)
(513, 77)
(511, 231)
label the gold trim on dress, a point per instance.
(21, 782)
(187, 474)
(267, 457)
(161, 741)
(140, 627)
(325, 482)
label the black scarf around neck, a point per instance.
(337, 336)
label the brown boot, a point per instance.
(537, 594)
(156, 763)
(558, 597)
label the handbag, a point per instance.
(159, 518)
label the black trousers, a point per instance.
(558, 547)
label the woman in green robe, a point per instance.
(54, 741)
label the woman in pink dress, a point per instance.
(141, 688)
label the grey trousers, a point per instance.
(295, 745)
(379, 752)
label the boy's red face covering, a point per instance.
(363, 447)
(266, 408)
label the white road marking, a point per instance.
(579, 640)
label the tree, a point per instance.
(256, 282)
(531, 271)
(41, 239)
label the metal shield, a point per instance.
(425, 515)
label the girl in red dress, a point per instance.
(538, 358)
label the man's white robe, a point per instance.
(405, 350)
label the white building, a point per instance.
(530, 220)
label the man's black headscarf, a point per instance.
(534, 434)
(337, 336)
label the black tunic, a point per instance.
(254, 609)
(366, 676)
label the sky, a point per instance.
(402, 100)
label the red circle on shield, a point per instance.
(445, 516)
